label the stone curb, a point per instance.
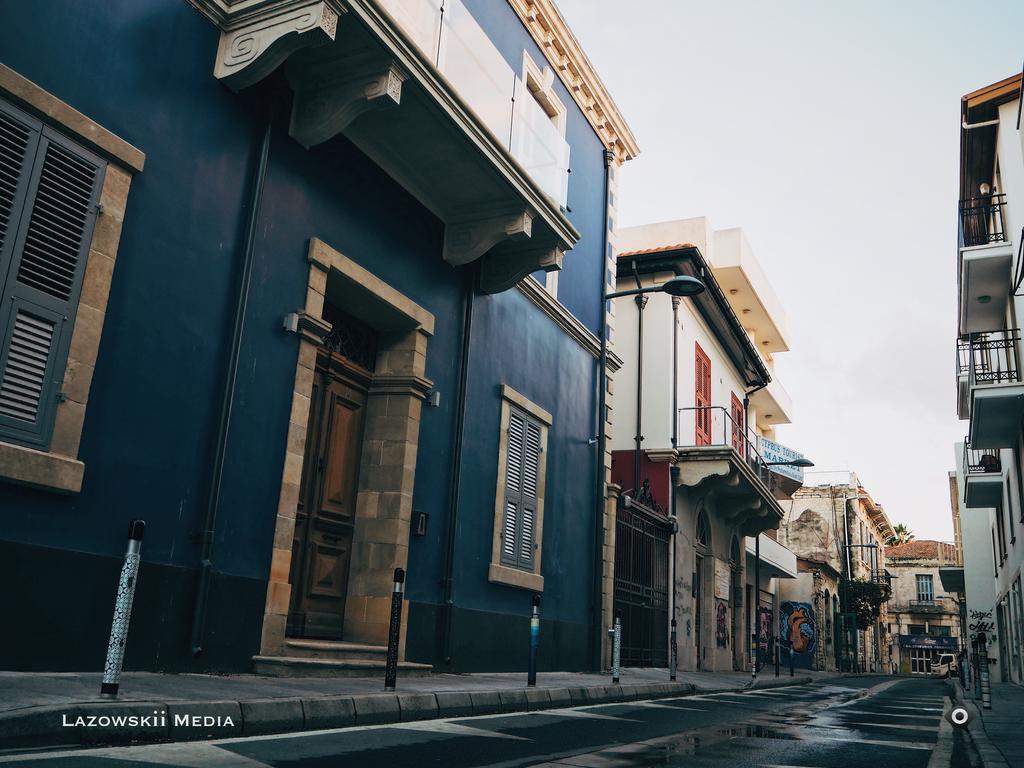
(43, 726)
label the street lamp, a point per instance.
(677, 287)
(801, 463)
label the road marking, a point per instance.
(905, 727)
(915, 709)
(656, 705)
(584, 714)
(882, 743)
(454, 729)
(936, 718)
(187, 754)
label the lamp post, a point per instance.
(678, 286)
(800, 463)
(846, 590)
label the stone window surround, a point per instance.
(59, 468)
(388, 461)
(503, 574)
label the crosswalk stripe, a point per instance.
(454, 729)
(897, 726)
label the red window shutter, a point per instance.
(702, 396)
(737, 424)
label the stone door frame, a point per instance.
(387, 468)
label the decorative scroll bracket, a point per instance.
(324, 107)
(467, 241)
(253, 46)
(503, 267)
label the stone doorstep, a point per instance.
(41, 726)
(334, 649)
(301, 666)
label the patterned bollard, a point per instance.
(673, 652)
(122, 610)
(531, 674)
(616, 647)
(394, 631)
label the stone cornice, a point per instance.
(537, 294)
(556, 40)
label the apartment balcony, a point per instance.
(989, 389)
(983, 477)
(720, 458)
(926, 607)
(986, 261)
(430, 99)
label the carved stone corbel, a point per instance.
(325, 105)
(253, 45)
(467, 240)
(503, 267)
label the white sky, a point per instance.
(829, 132)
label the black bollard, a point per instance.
(394, 631)
(531, 674)
(673, 653)
(791, 661)
(123, 609)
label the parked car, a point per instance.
(944, 665)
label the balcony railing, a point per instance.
(925, 606)
(981, 220)
(714, 425)
(449, 37)
(989, 358)
(981, 461)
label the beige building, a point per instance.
(924, 619)
(836, 531)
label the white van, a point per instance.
(944, 665)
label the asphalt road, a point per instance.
(849, 722)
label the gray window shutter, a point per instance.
(48, 209)
(522, 472)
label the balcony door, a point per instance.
(736, 410)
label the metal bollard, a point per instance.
(531, 674)
(673, 653)
(122, 610)
(394, 630)
(791, 661)
(775, 646)
(986, 688)
(616, 647)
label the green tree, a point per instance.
(900, 535)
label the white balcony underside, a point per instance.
(983, 491)
(984, 272)
(996, 412)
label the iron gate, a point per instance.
(641, 585)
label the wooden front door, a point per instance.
(326, 513)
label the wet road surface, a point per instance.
(848, 722)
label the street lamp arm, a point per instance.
(632, 292)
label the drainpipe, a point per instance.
(228, 395)
(602, 389)
(641, 304)
(447, 583)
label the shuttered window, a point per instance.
(702, 396)
(49, 190)
(522, 473)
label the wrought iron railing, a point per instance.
(990, 357)
(981, 461)
(925, 606)
(881, 576)
(981, 220)
(713, 425)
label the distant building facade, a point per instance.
(836, 530)
(924, 619)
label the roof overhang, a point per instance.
(952, 579)
(776, 560)
(712, 304)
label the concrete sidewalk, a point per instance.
(996, 732)
(59, 709)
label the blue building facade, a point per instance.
(319, 335)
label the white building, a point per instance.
(990, 393)
(695, 411)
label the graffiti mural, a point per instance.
(797, 629)
(721, 623)
(765, 645)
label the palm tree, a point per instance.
(900, 535)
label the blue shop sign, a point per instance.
(929, 641)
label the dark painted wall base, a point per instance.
(494, 642)
(58, 606)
